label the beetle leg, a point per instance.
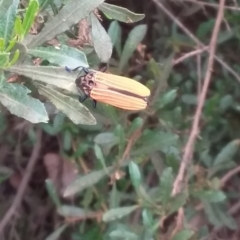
(82, 99)
(94, 103)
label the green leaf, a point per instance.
(156, 141)
(183, 235)
(119, 13)
(7, 22)
(99, 155)
(30, 15)
(76, 212)
(177, 201)
(4, 59)
(76, 111)
(136, 124)
(63, 56)
(67, 140)
(115, 33)
(5, 173)
(167, 98)
(70, 14)
(227, 152)
(43, 4)
(147, 217)
(19, 28)
(134, 38)
(16, 99)
(86, 181)
(101, 41)
(52, 192)
(135, 174)
(2, 45)
(189, 99)
(120, 134)
(210, 195)
(218, 216)
(56, 76)
(15, 58)
(166, 183)
(57, 233)
(117, 213)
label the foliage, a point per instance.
(112, 173)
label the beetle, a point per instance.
(118, 91)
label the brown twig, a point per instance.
(177, 187)
(190, 54)
(17, 200)
(195, 39)
(212, 5)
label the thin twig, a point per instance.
(195, 39)
(177, 187)
(17, 200)
(190, 54)
(212, 5)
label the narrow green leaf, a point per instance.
(136, 124)
(43, 4)
(101, 41)
(120, 134)
(117, 213)
(227, 152)
(15, 58)
(11, 44)
(134, 38)
(177, 201)
(135, 174)
(210, 195)
(76, 111)
(57, 233)
(56, 76)
(2, 45)
(4, 59)
(183, 235)
(16, 99)
(119, 13)
(166, 183)
(123, 234)
(99, 155)
(30, 15)
(156, 141)
(7, 22)
(167, 98)
(71, 13)
(115, 33)
(5, 173)
(218, 216)
(52, 192)
(19, 28)
(63, 56)
(86, 181)
(147, 217)
(71, 211)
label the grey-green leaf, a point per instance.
(183, 235)
(166, 183)
(117, 213)
(16, 99)
(73, 12)
(119, 13)
(71, 211)
(86, 181)
(56, 234)
(62, 56)
(134, 38)
(101, 41)
(76, 111)
(56, 76)
(7, 22)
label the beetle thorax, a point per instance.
(86, 83)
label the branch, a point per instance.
(24, 183)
